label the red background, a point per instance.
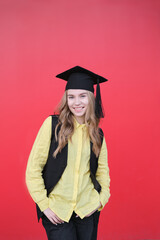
(116, 39)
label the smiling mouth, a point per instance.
(78, 108)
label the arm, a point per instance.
(36, 163)
(102, 175)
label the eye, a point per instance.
(70, 97)
(83, 96)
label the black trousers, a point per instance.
(75, 229)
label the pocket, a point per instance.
(46, 220)
(44, 217)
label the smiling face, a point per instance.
(78, 102)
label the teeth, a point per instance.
(78, 109)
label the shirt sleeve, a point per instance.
(36, 162)
(102, 175)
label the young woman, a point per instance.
(67, 173)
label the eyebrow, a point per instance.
(73, 94)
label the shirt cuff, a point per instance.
(44, 204)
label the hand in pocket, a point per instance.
(52, 216)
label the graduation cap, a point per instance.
(81, 78)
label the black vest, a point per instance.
(55, 167)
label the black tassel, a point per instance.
(98, 103)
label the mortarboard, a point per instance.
(81, 78)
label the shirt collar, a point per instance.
(77, 124)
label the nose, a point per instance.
(77, 101)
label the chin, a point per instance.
(80, 114)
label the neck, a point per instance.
(80, 120)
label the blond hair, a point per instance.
(66, 121)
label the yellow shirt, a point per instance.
(75, 190)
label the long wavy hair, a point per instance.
(66, 121)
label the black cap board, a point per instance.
(81, 78)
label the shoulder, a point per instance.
(50, 122)
(47, 122)
(54, 118)
(50, 119)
